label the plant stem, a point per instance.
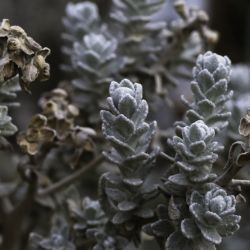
(231, 167)
(167, 157)
(71, 178)
(231, 170)
(236, 182)
(14, 220)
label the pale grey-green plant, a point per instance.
(124, 194)
(94, 60)
(210, 91)
(59, 239)
(200, 211)
(196, 151)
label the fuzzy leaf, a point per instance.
(144, 213)
(176, 241)
(189, 229)
(120, 218)
(116, 194)
(124, 125)
(127, 205)
(133, 182)
(127, 105)
(210, 234)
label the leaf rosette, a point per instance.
(212, 215)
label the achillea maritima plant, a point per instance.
(196, 152)
(125, 193)
(90, 173)
(210, 89)
(200, 211)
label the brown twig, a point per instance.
(232, 166)
(167, 157)
(236, 182)
(14, 219)
(71, 178)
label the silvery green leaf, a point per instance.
(201, 176)
(162, 227)
(173, 189)
(228, 229)
(141, 113)
(149, 135)
(120, 146)
(127, 105)
(206, 107)
(135, 182)
(127, 206)
(197, 147)
(203, 244)
(144, 213)
(185, 166)
(217, 90)
(193, 116)
(131, 160)
(189, 229)
(179, 179)
(159, 228)
(150, 194)
(123, 125)
(128, 84)
(197, 211)
(7, 128)
(199, 95)
(115, 194)
(212, 217)
(176, 241)
(196, 197)
(120, 218)
(210, 234)
(206, 79)
(218, 120)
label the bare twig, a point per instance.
(232, 167)
(71, 178)
(14, 219)
(167, 157)
(236, 182)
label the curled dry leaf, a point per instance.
(244, 128)
(37, 133)
(21, 55)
